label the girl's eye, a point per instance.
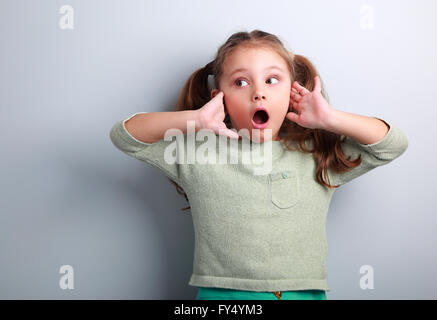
(273, 78)
(236, 81)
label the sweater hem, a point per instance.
(259, 285)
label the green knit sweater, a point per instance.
(259, 232)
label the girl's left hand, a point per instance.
(314, 111)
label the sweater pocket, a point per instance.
(284, 188)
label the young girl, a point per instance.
(260, 236)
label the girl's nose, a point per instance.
(258, 93)
(258, 97)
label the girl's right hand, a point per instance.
(211, 116)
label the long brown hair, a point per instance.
(327, 151)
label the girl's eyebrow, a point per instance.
(268, 68)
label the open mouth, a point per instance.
(260, 118)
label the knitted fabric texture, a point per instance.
(259, 232)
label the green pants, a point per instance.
(207, 293)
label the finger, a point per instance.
(292, 116)
(221, 129)
(302, 90)
(295, 96)
(229, 133)
(297, 107)
(218, 95)
(317, 87)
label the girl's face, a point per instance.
(252, 78)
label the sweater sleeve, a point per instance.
(382, 152)
(164, 155)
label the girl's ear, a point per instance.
(214, 92)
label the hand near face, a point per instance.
(313, 110)
(212, 114)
